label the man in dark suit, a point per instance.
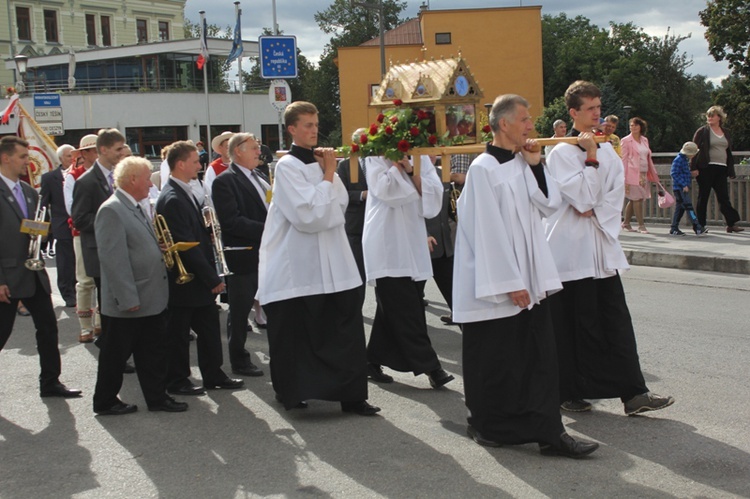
(191, 305)
(241, 196)
(53, 199)
(355, 210)
(441, 248)
(90, 191)
(19, 201)
(134, 296)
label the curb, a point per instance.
(688, 262)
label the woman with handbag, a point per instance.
(639, 173)
(712, 165)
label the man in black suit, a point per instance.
(241, 196)
(19, 201)
(191, 305)
(89, 192)
(53, 199)
(355, 210)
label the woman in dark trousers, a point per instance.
(712, 165)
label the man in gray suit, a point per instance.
(134, 295)
(18, 201)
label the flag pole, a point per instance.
(205, 84)
(237, 12)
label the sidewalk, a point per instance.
(717, 251)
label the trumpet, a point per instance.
(212, 222)
(35, 245)
(171, 254)
(455, 193)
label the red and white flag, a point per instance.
(203, 57)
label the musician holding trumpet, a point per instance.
(17, 280)
(241, 196)
(192, 303)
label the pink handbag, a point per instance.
(666, 200)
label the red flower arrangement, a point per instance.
(396, 131)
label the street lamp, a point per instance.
(21, 65)
(379, 8)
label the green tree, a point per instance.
(632, 68)
(727, 25)
(734, 97)
(349, 27)
(556, 110)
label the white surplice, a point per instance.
(500, 242)
(394, 239)
(587, 246)
(304, 249)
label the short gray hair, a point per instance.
(129, 166)
(504, 107)
(356, 134)
(557, 123)
(237, 140)
(63, 149)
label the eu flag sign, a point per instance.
(278, 55)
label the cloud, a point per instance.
(295, 17)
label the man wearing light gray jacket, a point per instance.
(134, 295)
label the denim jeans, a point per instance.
(683, 204)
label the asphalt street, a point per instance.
(694, 343)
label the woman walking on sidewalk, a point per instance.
(712, 165)
(639, 172)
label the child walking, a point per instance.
(681, 181)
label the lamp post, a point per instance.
(379, 8)
(626, 110)
(21, 65)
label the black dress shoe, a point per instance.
(118, 409)
(187, 389)
(261, 325)
(478, 438)
(301, 405)
(362, 408)
(59, 390)
(375, 373)
(248, 370)
(226, 384)
(569, 447)
(70, 304)
(129, 368)
(439, 377)
(169, 405)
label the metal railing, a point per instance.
(136, 84)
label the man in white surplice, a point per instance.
(596, 346)
(308, 279)
(503, 271)
(394, 242)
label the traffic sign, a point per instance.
(279, 94)
(48, 113)
(278, 56)
(47, 100)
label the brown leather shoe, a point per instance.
(734, 228)
(86, 336)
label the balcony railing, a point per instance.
(137, 84)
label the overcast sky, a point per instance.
(295, 17)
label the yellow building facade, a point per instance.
(502, 46)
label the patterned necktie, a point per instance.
(258, 180)
(111, 180)
(18, 193)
